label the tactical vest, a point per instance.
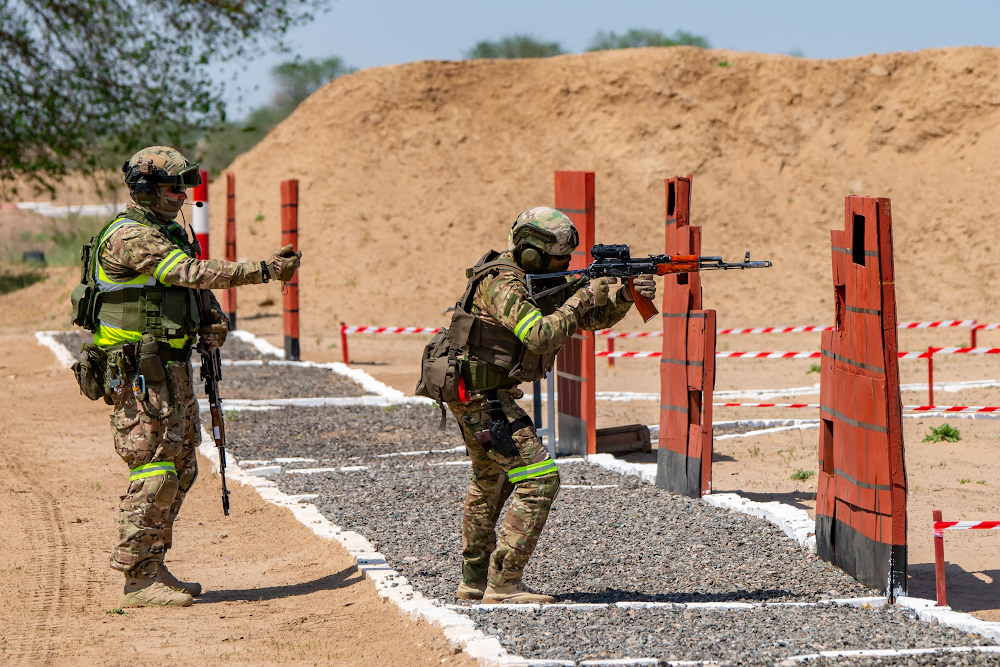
(478, 353)
(492, 354)
(122, 311)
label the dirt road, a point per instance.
(274, 592)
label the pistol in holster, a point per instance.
(500, 435)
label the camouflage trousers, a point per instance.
(157, 438)
(486, 559)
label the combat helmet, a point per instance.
(540, 233)
(156, 166)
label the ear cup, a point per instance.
(144, 191)
(531, 260)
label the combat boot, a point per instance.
(470, 592)
(151, 592)
(515, 593)
(192, 588)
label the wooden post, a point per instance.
(343, 344)
(942, 600)
(229, 296)
(575, 365)
(611, 348)
(972, 334)
(290, 290)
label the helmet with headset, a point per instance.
(152, 170)
(540, 234)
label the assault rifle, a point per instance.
(614, 261)
(211, 373)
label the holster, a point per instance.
(500, 435)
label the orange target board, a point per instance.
(861, 496)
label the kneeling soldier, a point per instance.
(141, 276)
(499, 338)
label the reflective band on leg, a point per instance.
(528, 321)
(533, 470)
(151, 470)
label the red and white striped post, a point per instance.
(343, 344)
(229, 296)
(930, 376)
(939, 560)
(290, 290)
(199, 214)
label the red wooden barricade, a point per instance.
(861, 498)
(290, 290)
(229, 296)
(687, 367)
(575, 363)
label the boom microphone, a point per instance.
(199, 204)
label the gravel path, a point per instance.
(269, 381)
(626, 543)
(764, 635)
(345, 435)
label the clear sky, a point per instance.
(370, 33)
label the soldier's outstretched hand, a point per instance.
(283, 264)
(645, 285)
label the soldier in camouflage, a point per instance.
(522, 333)
(147, 270)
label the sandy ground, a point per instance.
(274, 592)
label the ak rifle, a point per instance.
(614, 261)
(211, 373)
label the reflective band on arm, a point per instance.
(173, 258)
(533, 470)
(151, 470)
(528, 321)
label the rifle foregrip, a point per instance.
(646, 307)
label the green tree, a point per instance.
(295, 80)
(640, 37)
(85, 80)
(515, 46)
(298, 79)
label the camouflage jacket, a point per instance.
(134, 249)
(544, 327)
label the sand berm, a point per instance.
(408, 173)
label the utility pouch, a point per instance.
(90, 372)
(148, 360)
(484, 438)
(84, 299)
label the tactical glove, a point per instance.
(644, 285)
(595, 294)
(213, 333)
(283, 263)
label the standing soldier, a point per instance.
(142, 302)
(500, 337)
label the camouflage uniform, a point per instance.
(157, 438)
(503, 299)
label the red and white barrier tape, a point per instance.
(909, 408)
(608, 333)
(949, 350)
(941, 526)
(807, 355)
(390, 330)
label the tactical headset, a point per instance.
(531, 258)
(143, 177)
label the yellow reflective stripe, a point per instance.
(170, 261)
(522, 328)
(151, 470)
(533, 470)
(107, 336)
